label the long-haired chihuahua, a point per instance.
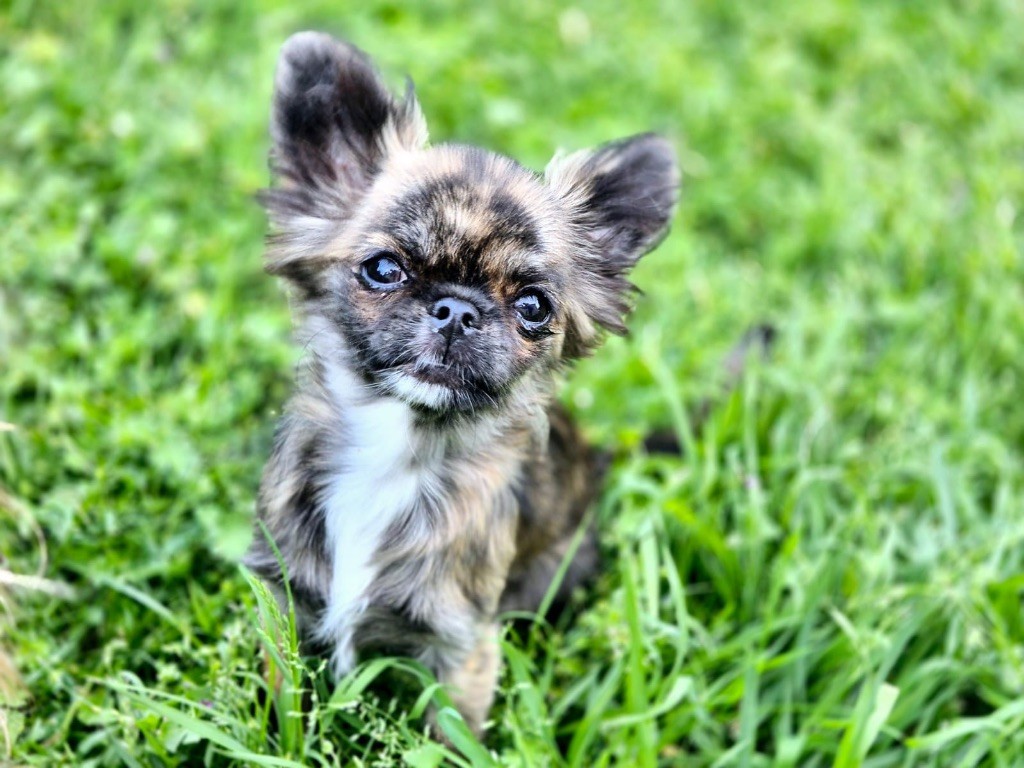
(423, 478)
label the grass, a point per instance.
(833, 576)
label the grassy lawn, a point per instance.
(833, 576)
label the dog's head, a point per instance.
(447, 275)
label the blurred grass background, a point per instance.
(833, 576)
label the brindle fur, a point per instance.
(501, 479)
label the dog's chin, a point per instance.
(432, 390)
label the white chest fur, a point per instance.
(380, 470)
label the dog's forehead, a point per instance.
(464, 207)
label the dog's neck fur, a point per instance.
(397, 479)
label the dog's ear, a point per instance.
(334, 120)
(334, 123)
(620, 198)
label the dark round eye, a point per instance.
(533, 308)
(383, 271)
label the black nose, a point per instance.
(450, 315)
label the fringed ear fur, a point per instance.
(333, 124)
(620, 197)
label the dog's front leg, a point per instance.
(470, 678)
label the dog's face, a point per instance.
(449, 277)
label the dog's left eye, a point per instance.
(383, 271)
(533, 308)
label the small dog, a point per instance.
(423, 478)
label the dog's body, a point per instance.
(423, 479)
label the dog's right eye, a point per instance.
(383, 271)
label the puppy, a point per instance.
(423, 479)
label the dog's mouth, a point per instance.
(439, 386)
(443, 374)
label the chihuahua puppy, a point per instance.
(423, 479)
